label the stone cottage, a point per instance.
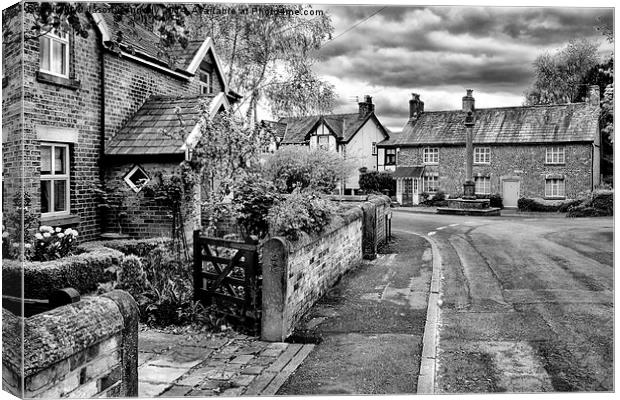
(77, 113)
(354, 136)
(544, 151)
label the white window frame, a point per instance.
(133, 186)
(64, 39)
(555, 188)
(204, 84)
(485, 187)
(425, 183)
(318, 142)
(482, 155)
(431, 155)
(52, 176)
(374, 148)
(555, 155)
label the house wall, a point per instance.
(144, 216)
(322, 130)
(56, 113)
(523, 162)
(12, 91)
(359, 151)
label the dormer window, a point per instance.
(204, 79)
(54, 54)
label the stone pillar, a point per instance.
(469, 186)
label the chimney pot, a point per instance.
(469, 101)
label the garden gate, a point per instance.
(227, 275)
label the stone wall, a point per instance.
(85, 349)
(297, 274)
(523, 162)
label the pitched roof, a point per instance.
(160, 126)
(575, 122)
(343, 126)
(408, 172)
(277, 128)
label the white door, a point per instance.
(416, 198)
(511, 193)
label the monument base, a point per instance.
(469, 207)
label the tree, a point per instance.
(294, 167)
(268, 50)
(559, 77)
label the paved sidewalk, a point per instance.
(505, 212)
(171, 365)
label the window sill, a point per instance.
(555, 164)
(58, 80)
(61, 220)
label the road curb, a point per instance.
(428, 362)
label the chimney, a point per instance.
(416, 106)
(594, 95)
(468, 101)
(366, 107)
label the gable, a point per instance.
(371, 124)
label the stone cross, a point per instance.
(469, 187)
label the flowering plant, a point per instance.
(53, 243)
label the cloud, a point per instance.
(438, 51)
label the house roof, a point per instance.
(576, 122)
(277, 128)
(343, 126)
(408, 172)
(161, 126)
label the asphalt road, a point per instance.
(527, 303)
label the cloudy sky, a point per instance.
(438, 52)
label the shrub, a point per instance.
(254, 196)
(298, 167)
(438, 199)
(597, 203)
(52, 243)
(542, 205)
(377, 182)
(131, 276)
(80, 271)
(300, 212)
(137, 247)
(495, 199)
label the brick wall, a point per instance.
(297, 274)
(527, 162)
(12, 91)
(145, 217)
(85, 349)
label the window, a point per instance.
(554, 187)
(431, 155)
(555, 155)
(374, 148)
(323, 142)
(54, 54)
(54, 179)
(390, 156)
(483, 185)
(204, 79)
(482, 155)
(137, 178)
(431, 182)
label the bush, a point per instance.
(52, 243)
(137, 247)
(254, 196)
(301, 211)
(377, 182)
(542, 205)
(81, 271)
(438, 199)
(298, 167)
(131, 276)
(597, 203)
(495, 200)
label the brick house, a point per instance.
(354, 136)
(546, 151)
(77, 113)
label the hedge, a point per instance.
(81, 271)
(542, 205)
(596, 204)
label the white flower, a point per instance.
(27, 245)
(38, 236)
(58, 230)
(15, 244)
(68, 231)
(45, 228)
(5, 234)
(46, 235)
(60, 235)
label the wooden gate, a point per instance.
(227, 275)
